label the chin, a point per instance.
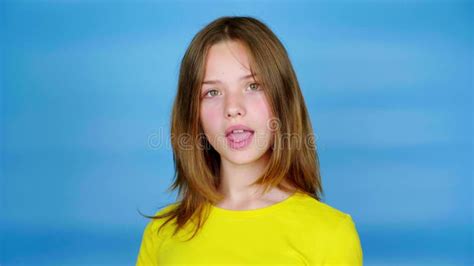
(243, 157)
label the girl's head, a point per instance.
(236, 72)
(231, 97)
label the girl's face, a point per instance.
(231, 97)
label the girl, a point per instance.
(247, 171)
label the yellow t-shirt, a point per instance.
(296, 231)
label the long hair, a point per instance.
(293, 164)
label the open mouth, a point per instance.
(239, 139)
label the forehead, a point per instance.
(227, 59)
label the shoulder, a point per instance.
(152, 238)
(322, 220)
(334, 229)
(317, 212)
(154, 224)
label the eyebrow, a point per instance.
(218, 81)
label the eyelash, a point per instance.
(258, 88)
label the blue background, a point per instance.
(86, 94)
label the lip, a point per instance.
(235, 127)
(241, 144)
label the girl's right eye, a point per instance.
(210, 93)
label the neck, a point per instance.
(236, 179)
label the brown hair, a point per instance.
(294, 163)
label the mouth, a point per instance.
(238, 139)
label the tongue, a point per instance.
(237, 137)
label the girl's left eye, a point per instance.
(254, 86)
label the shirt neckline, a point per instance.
(253, 212)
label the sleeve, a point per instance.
(344, 247)
(149, 246)
(151, 241)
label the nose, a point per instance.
(234, 107)
(233, 113)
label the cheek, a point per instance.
(209, 119)
(264, 111)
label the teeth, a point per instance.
(238, 131)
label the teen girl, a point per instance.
(247, 170)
